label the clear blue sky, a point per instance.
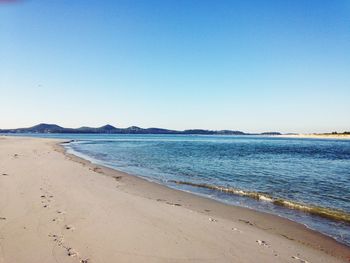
(244, 65)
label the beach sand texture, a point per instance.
(55, 207)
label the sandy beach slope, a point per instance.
(59, 208)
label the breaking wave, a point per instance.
(329, 213)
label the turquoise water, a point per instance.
(275, 175)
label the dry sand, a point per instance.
(59, 208)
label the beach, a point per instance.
(56, 207)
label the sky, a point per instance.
(253, 66)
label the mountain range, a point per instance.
(109, 129)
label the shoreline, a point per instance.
(326, 213)
(113, 216)
(198, 205)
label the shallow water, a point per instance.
(306, 180)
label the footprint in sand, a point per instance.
(45, 201)
(2, 218)
(56, 238)
(300, 259)
(71, 252)
(68, 227)
(173, 204)
(246, 221)
(262, 243)
(57, 219)
(60, 242)
(168, 203)
(97, 170)
(236, 229)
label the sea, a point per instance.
(305, 180)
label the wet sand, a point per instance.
(56, 207)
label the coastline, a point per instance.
(217, 231)
(315, 136)
(197, 202)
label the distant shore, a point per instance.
(316, 136)
(56, 207)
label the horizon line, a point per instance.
(175, 130)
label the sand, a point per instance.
(59, 208)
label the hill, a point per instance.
(109, 129)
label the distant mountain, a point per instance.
(210, 132)
(104, 129)
(40, 128)
(138, 130)
(109, 129)
(271, 133)
(53, 128)
(44, 126)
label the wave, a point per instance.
(325, 212)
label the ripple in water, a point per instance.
(306, 180)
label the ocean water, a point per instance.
(305, 180)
